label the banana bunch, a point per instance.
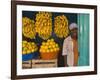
(43, 24)
(28, 47)
(61, 26)
(28, 28)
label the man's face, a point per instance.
(74, 33)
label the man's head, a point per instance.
(74, 30)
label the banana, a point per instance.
(28, 28)
(61, 26)
(43, 24)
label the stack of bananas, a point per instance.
(61, 26)
(28, 47)
(43, 24)
(28, 28)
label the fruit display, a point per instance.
(43, 24)
(61, 26)
(49, 49)
(28, 28)
(49, 46)
(28, 47)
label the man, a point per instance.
(70, 46)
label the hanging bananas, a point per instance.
(43, 24)
(61, 26)
(28, 28)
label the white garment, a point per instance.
(68, 50)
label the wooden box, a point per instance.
(27, 64)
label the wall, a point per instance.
(5, 37)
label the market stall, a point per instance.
(43, 34)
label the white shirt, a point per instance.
(68, 50)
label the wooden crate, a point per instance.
(27, 64)
(44, 63)
(39, 64)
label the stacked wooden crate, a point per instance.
(40, 63)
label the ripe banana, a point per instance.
(28, 28)
(43, 24)
(61, 26)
